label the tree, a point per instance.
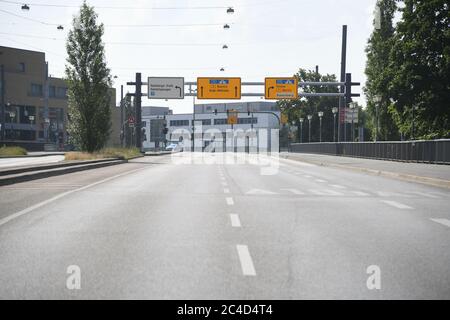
(378, 52)
(89, 81)
(419, 70)
(301, 108)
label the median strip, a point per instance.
(12, 176)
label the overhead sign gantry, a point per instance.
(219, 88)
(281, 88)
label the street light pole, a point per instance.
(2, 115)
(309, 125)
(301, 129)
(377, 100)
(352, 108)
(320, 120)
(334, 110)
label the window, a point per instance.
(52, 91)
(36, 90)
(220, 121)
(205, 122)
(179, 123)
(61, 93)
(247, 120)
(25, 135)
(27, 114)
(21, 67)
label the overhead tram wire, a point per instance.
(156, 44)
(121, 25)
(120, 7)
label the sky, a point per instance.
(184, 38)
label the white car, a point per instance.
(173, 147)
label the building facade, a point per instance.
(33, 104)
(256, 128)
(154, 120)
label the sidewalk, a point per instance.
(432, 174)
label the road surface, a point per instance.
(195, 227)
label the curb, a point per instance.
(32, 156)
(23, 169)
(400, 176)
(158, 154)
(61, 170)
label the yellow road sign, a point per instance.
(232, 117)
(281, 88)
(284, 119)
(219, 88)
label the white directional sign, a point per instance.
(165, 88)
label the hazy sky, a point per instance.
(180, 38)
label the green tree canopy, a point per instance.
(89, 81)
(419, 69)
(301, 108)
(378, 51)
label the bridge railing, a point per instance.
(431, 151)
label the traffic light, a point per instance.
(348, 89)
(165, 130)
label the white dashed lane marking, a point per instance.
(248, 269)
(360, 193)
(444, 222)
(235, 221)
(397, 205)
(326, 192)
(230, 201)
(337, 186)
(294, 191)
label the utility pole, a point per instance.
(343, 71)
(3, 91)
(46, 111)
(138, 109)
(122, 131)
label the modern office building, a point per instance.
(33, 104)
(257, 122)
(153, 121)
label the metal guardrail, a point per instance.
(432, 151)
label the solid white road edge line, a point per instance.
(248, 269)
(59, 196)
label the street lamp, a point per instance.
(230, 10)
(226, 26)
(335, 111)
(309, 125)
(301, 129)
(25, 7)
(320, 119)
(377, 100)
(353, 106)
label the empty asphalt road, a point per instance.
(218, 226)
